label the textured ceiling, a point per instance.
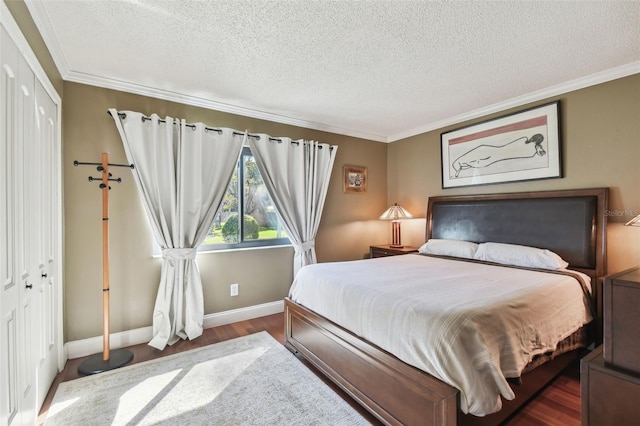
(382, 70)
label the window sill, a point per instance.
(244, 249)
(159, 255)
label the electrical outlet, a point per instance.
(233, 289)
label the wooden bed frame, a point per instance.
(569, 222)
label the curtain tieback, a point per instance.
(307, 245)
(179, 253)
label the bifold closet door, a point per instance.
(29, 232)
(44, 204)
(10, 294)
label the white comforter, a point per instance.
(470, 325)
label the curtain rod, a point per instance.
(161, 120)
(212, 129)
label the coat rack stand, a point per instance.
(108, 359)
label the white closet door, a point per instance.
(46, 140)
(28, 230)
(9, 292)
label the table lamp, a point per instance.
(395, 213)
(634, 222)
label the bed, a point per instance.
(571, 223)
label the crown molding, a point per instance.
(42, 22)
(124, 86)
(570, 86)
(580, 83)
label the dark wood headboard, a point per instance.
(570, 223)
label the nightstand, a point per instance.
(387, 250)
(608, 396)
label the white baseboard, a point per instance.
(92, 345)
(242, 314)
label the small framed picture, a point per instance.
(355, 179)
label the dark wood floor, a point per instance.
(558, 404)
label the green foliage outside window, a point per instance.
(230, 229)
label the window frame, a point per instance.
(242, 244)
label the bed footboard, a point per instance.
(393, 391)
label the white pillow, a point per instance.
(456, 248)
(512, 254)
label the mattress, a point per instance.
(472, 325)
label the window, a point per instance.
(246, 197)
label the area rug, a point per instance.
(251, 380)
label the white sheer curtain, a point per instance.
(296, 174)
(182, 173)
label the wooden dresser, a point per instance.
(610, 375)
(608, 396)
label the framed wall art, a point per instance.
(355, 179)
(520, 146)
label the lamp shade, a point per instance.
(634, 222)
(395, 212)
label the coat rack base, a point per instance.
(95, 364)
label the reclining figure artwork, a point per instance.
(487, 155)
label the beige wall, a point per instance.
(347, 228)
(600, 130)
